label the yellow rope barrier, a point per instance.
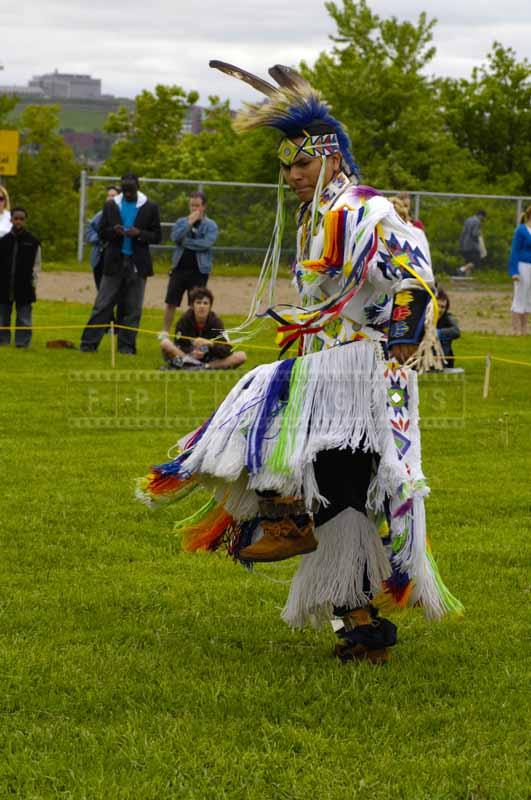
(124, 328)
(191, 338)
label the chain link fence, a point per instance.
(245, 214)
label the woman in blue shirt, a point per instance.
(520, 271)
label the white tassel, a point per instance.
(429, 354)
(349, 546)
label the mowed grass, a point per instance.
(132, 670)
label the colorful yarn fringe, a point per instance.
(279, 461)
(158, 488)
(276, 394)
(208, 532)
(334, 243)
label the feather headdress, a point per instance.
(293, 107)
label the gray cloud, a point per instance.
(136, 45)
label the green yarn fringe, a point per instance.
(279, 461)
(196, 517)
(451, 603)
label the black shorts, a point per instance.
(182, 281)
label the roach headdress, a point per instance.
(296, 109)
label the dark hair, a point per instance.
(115, 188)
(443, 296)
(200, 196)
(481, 213)
(19, 208)
(130, 177)
(199, 293)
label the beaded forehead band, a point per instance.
(324, 144)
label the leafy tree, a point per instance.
(374, 80)
(490, 115)
(8, 103)
(45, 184)
(153, 125)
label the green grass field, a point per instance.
(132, 670)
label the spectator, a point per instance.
(194, 237)
(20, 263)
(471, 243)
(200, 340)
(129, 224)
(5, 216)
(405, 199)
(402, 203)
(520, 271)
(447, 329)
(93, 238)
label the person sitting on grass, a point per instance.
(447, 329)
(200, 341)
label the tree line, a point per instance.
(409, 130)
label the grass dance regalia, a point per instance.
(319, 455)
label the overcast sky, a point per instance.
(135, 44)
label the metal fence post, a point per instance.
(81, 224)
(519, 207)
(417, 206)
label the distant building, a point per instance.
(65, 86)
(22, 91)
(193, 120)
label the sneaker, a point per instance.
(172, 364)
(190, 361)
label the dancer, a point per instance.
(319, 455)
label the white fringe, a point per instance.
(414, 561)
(221, 451)
(333, 574)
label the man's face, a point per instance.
(18, 220)
(302, 176)
(196, 205)
(111, 194)
(201, 308)
(130, 190)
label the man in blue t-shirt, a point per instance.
(129, 224)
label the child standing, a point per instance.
(20, 263)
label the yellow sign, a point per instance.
(9, 142)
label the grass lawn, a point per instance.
(132, 670)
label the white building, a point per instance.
(66, 86)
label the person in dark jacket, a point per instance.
(20, 263)
(447, 328)
(200, 341)
(129, 224)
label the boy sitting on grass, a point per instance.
(200, 341)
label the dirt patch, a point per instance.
(477, 310)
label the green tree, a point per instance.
(154, 125)
(45, 184)
(8, 103)
(490, 116)
(374, 79)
